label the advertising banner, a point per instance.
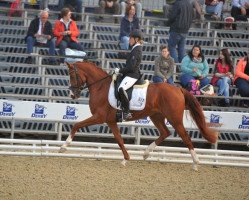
(29, 110)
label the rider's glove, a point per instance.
(116, 70)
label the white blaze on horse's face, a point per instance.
(71, 94)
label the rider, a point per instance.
(131, 72)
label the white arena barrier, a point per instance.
(62, 112)
(100, 151)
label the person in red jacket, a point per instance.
(223, 74)
(66, 32)
(241, 79)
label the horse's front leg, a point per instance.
(120, 141)
(87, 122)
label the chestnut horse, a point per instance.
(163, 101)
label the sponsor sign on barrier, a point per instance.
(30, 110)
(43, 111)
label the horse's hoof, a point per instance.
(197, 161)
(146, 155)
(124, 162)
(195, 167)
(62, 149)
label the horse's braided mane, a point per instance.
(95, 65)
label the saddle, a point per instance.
(136, 95)
(117, 81)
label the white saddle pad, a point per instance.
(138, 97)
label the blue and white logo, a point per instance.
(70, 113)
(244, 122)
(145, 120)
(214, 121)
(39, 112)
(214, 118)
(7, 110)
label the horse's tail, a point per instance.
(196, 113)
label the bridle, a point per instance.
(76, 89)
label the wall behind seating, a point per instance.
(147, 4)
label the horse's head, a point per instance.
(77, 81)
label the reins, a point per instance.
(87, 86)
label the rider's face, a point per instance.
(132, 41)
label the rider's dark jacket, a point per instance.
(133, 61)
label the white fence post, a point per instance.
(59, 131)
(13, 121)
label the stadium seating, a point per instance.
(42, 82)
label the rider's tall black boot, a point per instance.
(124, 104)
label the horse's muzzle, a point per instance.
(74, 94)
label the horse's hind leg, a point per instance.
(120, 141)
(88, 122)
(187, 141)
(159, 122)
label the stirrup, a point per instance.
(127, 115)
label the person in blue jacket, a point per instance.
(129, 23)
(194, 66)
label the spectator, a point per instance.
(223, 74)
(43, 4)
(40, 33)
(128, 23)
(241, 79)
(197, 10)
(74, 6)
(215, 8)
(229, 23)
(164, 67)
(167, 8)
(66, 32)
(194, 66)
(109, 6)
(179, 21)
(138, 6)
(240, 10)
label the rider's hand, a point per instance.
(116, 70)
